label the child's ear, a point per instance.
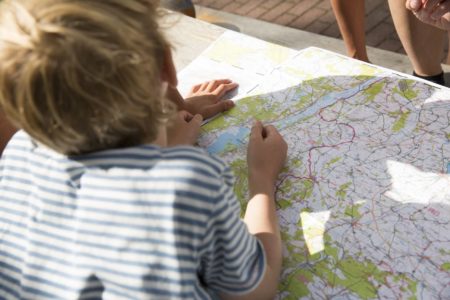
(168, 72)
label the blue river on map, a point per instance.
(237, 138)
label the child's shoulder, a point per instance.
(20, 141)
(144, 157)
(195, 157)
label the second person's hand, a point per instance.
(205, 98)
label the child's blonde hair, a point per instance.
(82, 75)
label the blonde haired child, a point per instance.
(93, 204)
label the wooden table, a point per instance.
(189, 37)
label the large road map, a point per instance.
(364, 199)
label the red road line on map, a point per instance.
(310, 176)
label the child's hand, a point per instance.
(266, 155)
(184, 129)
(205, 98)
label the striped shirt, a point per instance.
(134, 223)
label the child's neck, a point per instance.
(161, 139)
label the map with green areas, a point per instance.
(364, 199)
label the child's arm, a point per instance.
(205, 98)
(266, 156)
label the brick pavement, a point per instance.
(315, 16)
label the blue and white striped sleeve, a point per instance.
(232, 260)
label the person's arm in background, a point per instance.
(350, 16)
(266, 157)
(424, 44)
(432, 12)
(6, 132)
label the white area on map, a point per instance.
(202, 70)
(410, 185)
(223, 60)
